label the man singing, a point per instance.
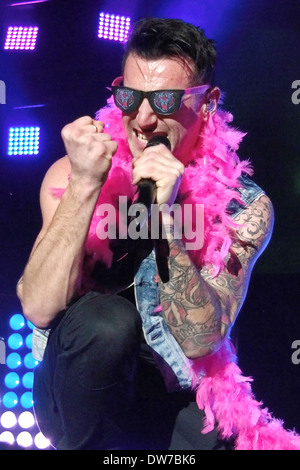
(123, 373)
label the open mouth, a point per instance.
(141, 137)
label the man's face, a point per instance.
(181, 128)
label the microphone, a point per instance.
(146, 186)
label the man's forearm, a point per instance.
(190, 307)
(200, 309)
(53, 272)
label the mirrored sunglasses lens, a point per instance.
(126, 99)
(166, 102)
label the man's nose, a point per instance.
(146, 117)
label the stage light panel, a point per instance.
(30, 362)
(15, 341)
(28, 341)
(21, 38)
(17, 421)
(26, 420)
(17, 321)
(30, 325)
(41, 442)
(10, 400)
(23, 141)
(26, 400)
(8, 419)
(12, 380)
(13, 360)
(27, 380)
(24, 439)
(7, 437)
(114, 27)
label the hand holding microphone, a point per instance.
(146, 197)
(147, 187)
(158, 175)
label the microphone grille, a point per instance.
(159, 139)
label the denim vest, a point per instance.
(174, 365)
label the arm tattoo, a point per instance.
(189, 309)
(200, 309)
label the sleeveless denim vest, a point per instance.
(174, 365)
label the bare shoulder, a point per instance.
(256, 223)
(56, 177)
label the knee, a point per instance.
(103, 337)
(112, 317)
(104, 323)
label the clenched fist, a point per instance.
(160, 165)
(90, 150)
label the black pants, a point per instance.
(97, 389)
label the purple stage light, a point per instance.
(23, 141)
(30, 2)
(21, 38)
(113, 27)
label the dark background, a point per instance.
(258, 46)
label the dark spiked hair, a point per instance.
(155, 38)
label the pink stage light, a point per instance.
(113, 27)
(21, 37)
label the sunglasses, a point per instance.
(163, 102)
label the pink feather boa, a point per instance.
(211, 175)
(226, 397)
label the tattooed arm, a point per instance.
(199, 309)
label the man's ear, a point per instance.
(117, 81)
(211, 103)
